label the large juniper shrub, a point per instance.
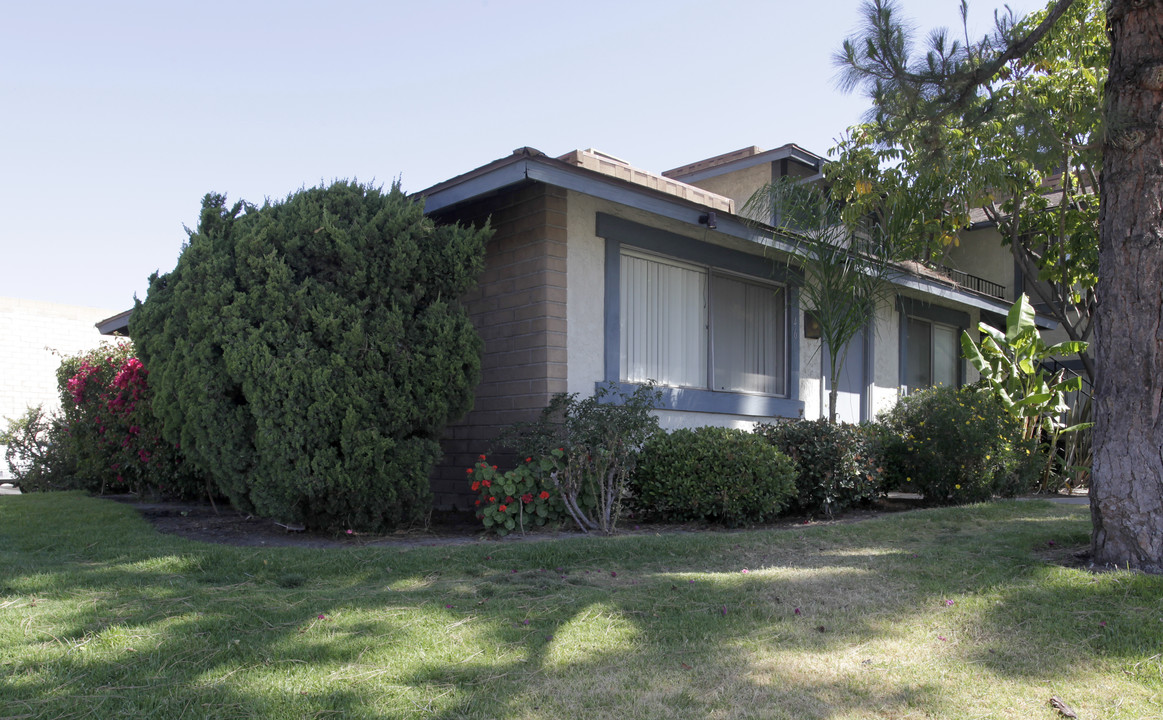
(713, 474)
(309, 352)
(836, 463)
(955, 446)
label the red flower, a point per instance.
(478, 502)
(527, 498)
(492, 499)
(482, 457)
(476, 486)
(509, 499)
(503, 508)
(486, 483)
(528, 459)
(544, 494)
(494, 467)
(469, 471)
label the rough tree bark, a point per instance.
(1126, 497)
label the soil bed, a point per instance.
(224, 525)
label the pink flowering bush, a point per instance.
(517, 499)
(110, 430)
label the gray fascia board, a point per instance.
(931, 287)
(656, 204)
(481, 184)
(594, 185)
(116, 325)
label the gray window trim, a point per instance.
(618, 231)
(912, 307)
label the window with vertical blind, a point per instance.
(690, 326)
(933, 356)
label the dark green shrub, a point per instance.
(955, 446)
(836, 463)
(308, 353)
(36, 452)
(713, 474)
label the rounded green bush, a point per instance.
(955, 446)
(836, 462)
(712, 474)
(307, 354)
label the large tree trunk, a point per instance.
(1126, 499)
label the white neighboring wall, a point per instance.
(32, 331)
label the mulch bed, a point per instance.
(224, 525)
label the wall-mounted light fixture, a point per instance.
(811, 326)
(708, 219)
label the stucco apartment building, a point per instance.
(603, 272)
(599, 271)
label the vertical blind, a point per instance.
(946, 357)
(679, 320)
(664, 323)
(933, 355)
(747, 327)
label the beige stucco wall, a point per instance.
(739, 185)
(36, 335)
(981, 253)
(811, 376)
(585, 296)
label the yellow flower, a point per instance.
(956, 487)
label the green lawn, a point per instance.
(958, 613)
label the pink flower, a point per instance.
(322, 616)
(349, 532)
(942, 638)
(949, 603)
(744, 571)
(798, 611)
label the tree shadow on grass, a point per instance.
(615, 627)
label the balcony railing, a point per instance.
(972, 282)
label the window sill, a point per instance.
(724, 403)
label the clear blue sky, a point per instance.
(117, 117)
